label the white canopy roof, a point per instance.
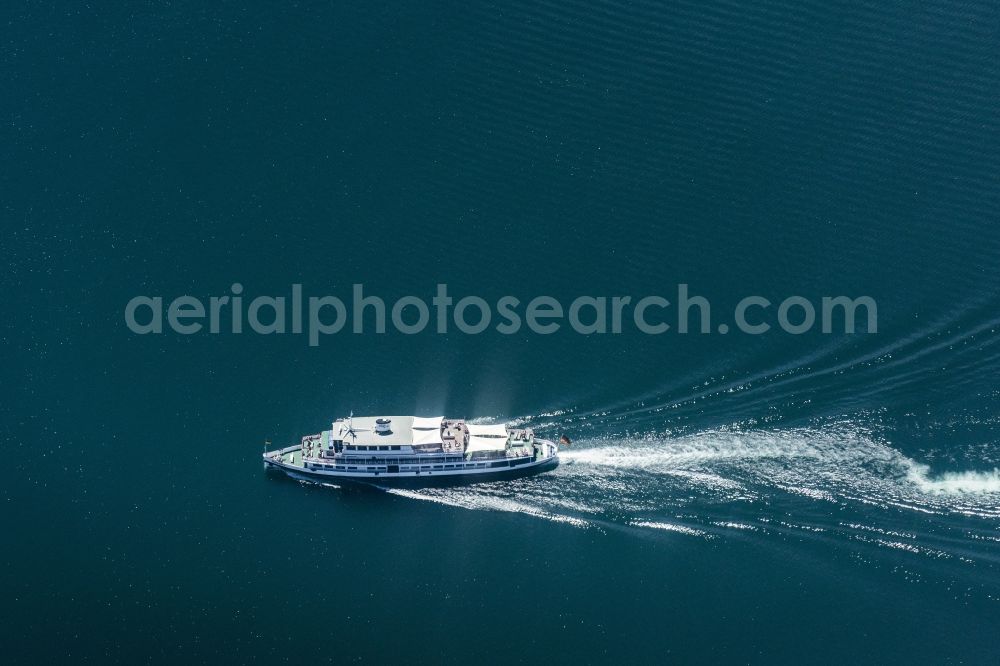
(491, 437)
(425, 436)
(487, 430)
(426, 430)
(427, 422)
(486, 444)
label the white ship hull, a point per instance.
(410, 450)
(428, 471)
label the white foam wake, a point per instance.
(724, 480)
(961, 483)
(824, 460)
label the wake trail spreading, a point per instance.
(954, 483)
(735, 481)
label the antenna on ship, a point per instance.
(350, 425)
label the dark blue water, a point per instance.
(727, 498)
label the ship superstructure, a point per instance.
(384, 449)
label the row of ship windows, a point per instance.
(379, 460)
(376, 469)
(372, 448)
(498, 463)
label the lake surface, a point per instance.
(728, 498)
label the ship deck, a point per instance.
(292, 456)
(356, 451)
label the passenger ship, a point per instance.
(406, 450)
